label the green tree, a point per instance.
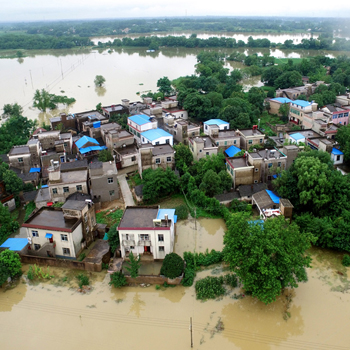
(173, 265)
(133, 265)
(211, 184)
(13, 183)
(99, 80)
(113, 237)
(343, 137)
(12, 110)
(164, 86)
(42, 100)
(183, 157)
(268, 257)
(284, 111)
(99, 107)
(10, 265)
(105, 156)
(118, 280)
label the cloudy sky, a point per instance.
(33, 10)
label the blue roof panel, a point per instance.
(84, 140)
(273, 196)
(302, 103)
(15, 244)
(232, 151)
(140, 119)
(48, 235)
(337, 152)
(34, 170)
(155, 134)
(297, 136)
(282, 99)
(216, 122)
(170, 212)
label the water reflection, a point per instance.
(11, 297)
(20, 60)
(250, 324)
(100, 90)
(137, 305)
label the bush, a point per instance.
(231, 280)
(189, 276)
(118, 280)
(346, 260)
(82, 257)
(173, 266)
(195, 260)
(209, 288)
(11, 262)
(83, 280)
(182, 212)
(37, 272)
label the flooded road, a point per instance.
(54, 314)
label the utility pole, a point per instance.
(195, 218)
(31, 79)
(191, 332)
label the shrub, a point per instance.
(209, 288)
(195, 260)
(182, 212)
(83, 280)
(118, 280)
(346, 260)
(189, 276)
(82, 257)
(173, 266)
(11, 262)
(133, 265)
(231, 280)
(37, 272)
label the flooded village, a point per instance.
(199, 216)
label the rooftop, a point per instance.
(51, 219)
(297, 136)
(251, 132)
(227, 134)
(281, 99)
(84, 140)
(138, 217)
(114, 108)
(131, 149)
(16, 150)
(249, 190)
(229, 196)
(15, 244)
(238, 162)
(302, 103)
(29, 196)
(72, 204)
(77, 164)
(266, 199)
(215, 122)
(155, 134)
(43, 195)
(232, 151)
(336, 151)
(140, 119)
(162, 149)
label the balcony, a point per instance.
(128, 243)
(144, 243)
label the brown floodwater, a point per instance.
(37, 315)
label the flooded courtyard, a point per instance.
(53, 313)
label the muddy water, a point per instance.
(54, 314)
(127, 71)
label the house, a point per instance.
(227, 198)
(52, 234)
(20, 158)
(172, 107)
(337, 114)
(18, 245)
(246, 191)
(232, 151)
(126, 156)
(337, 156)
(343, 100)
(30, 178)
(7, 200)
(271, 205)
(68, 122)
(147, 231)
(88, 146)
(202, 147)
(90, 117)
(180, 129)
(241, 171)
(43, 197)
(298, 109)
(103, 181)
(161, 156)
(225, 138)
(64, 183)
(140, 123)
(250, 137)
(291, 152)
(156, 137)
(114, 110)
(276, 103)
(98, 130)
(215, 124)
(117, 139)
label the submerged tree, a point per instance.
(43, 100)
(99, 80)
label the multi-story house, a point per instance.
(157, 137)
(215, 124)
(202, 147)
(250, 137)
(180, 129)
(147, 231)
(298, 109)
(161, 156)
(337, 115)
(140, 123)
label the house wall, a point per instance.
(127, 160)
(11, 204)
(274, 107)
(223, 144)
(247, 141)
(241, 176)
(199, 151)
(61, 196)
(101, 187)
(168, 242)
(159, 141)
(337, 159)
(48, 139)
(207, 129)
(21, 161)
(340, 118)
(73, 243)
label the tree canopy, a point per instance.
(99, 80)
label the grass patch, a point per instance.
(172, 202)
(108, 217)
(134, 180)
(29, 209)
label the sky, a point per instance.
(38, 10)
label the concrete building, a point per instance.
(337, 156)
(337, 114)
(214, 124)
(67, 121)
(225, 138)
(20, 158)
(180, 129)
(161, 156)
(51, 234)
(90, 117)
(103, 181)
(276, 103)
(157, 137)
(300, 108)
(241, 171)
(147, 231)
(114, 110)
(126, 156)
(202, 147)
(250, 137)
(140, 123)
(117, 139)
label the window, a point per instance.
(133, 158)
(35, 233)
(225, 143)
(338, 157)
(346, 114)
(160, 238)
(54, 190)
(138, 134)
(269, 178)
(279, 164)
(157, 160)
(161, 248)
(65, 189)
(132, 247)
(206, 127)
(143, 139)
(269, 165)
(256, 170)
(110, 180)
(193, 133)
(66, 251)
(64, 238)
(261, 140)
(79, 187)
(144, 237)
(157, 143)
(207, 153)
(37, 246)
(65, 144)
(217, 144)
(250, 142)
(174, 132)
(111, 193)
(234, 142)
(168, 159)
(167, 141)
(20, 160)
(200, 150)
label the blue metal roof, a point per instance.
(91, 148)
(273, 196)
(297, 136)
(232, 151)
(170, 212)
(34, 170)
(337, 152)
(44, 186)
(140, 119)
(15, 244)
(84, 140)
(282, 99)
(216, 122)
(302, 103)
(155, 134)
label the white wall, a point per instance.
(161, 140)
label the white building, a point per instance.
(140, 123)
(157, 137)
(215, 124)
(147, 231)
(337, 156)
